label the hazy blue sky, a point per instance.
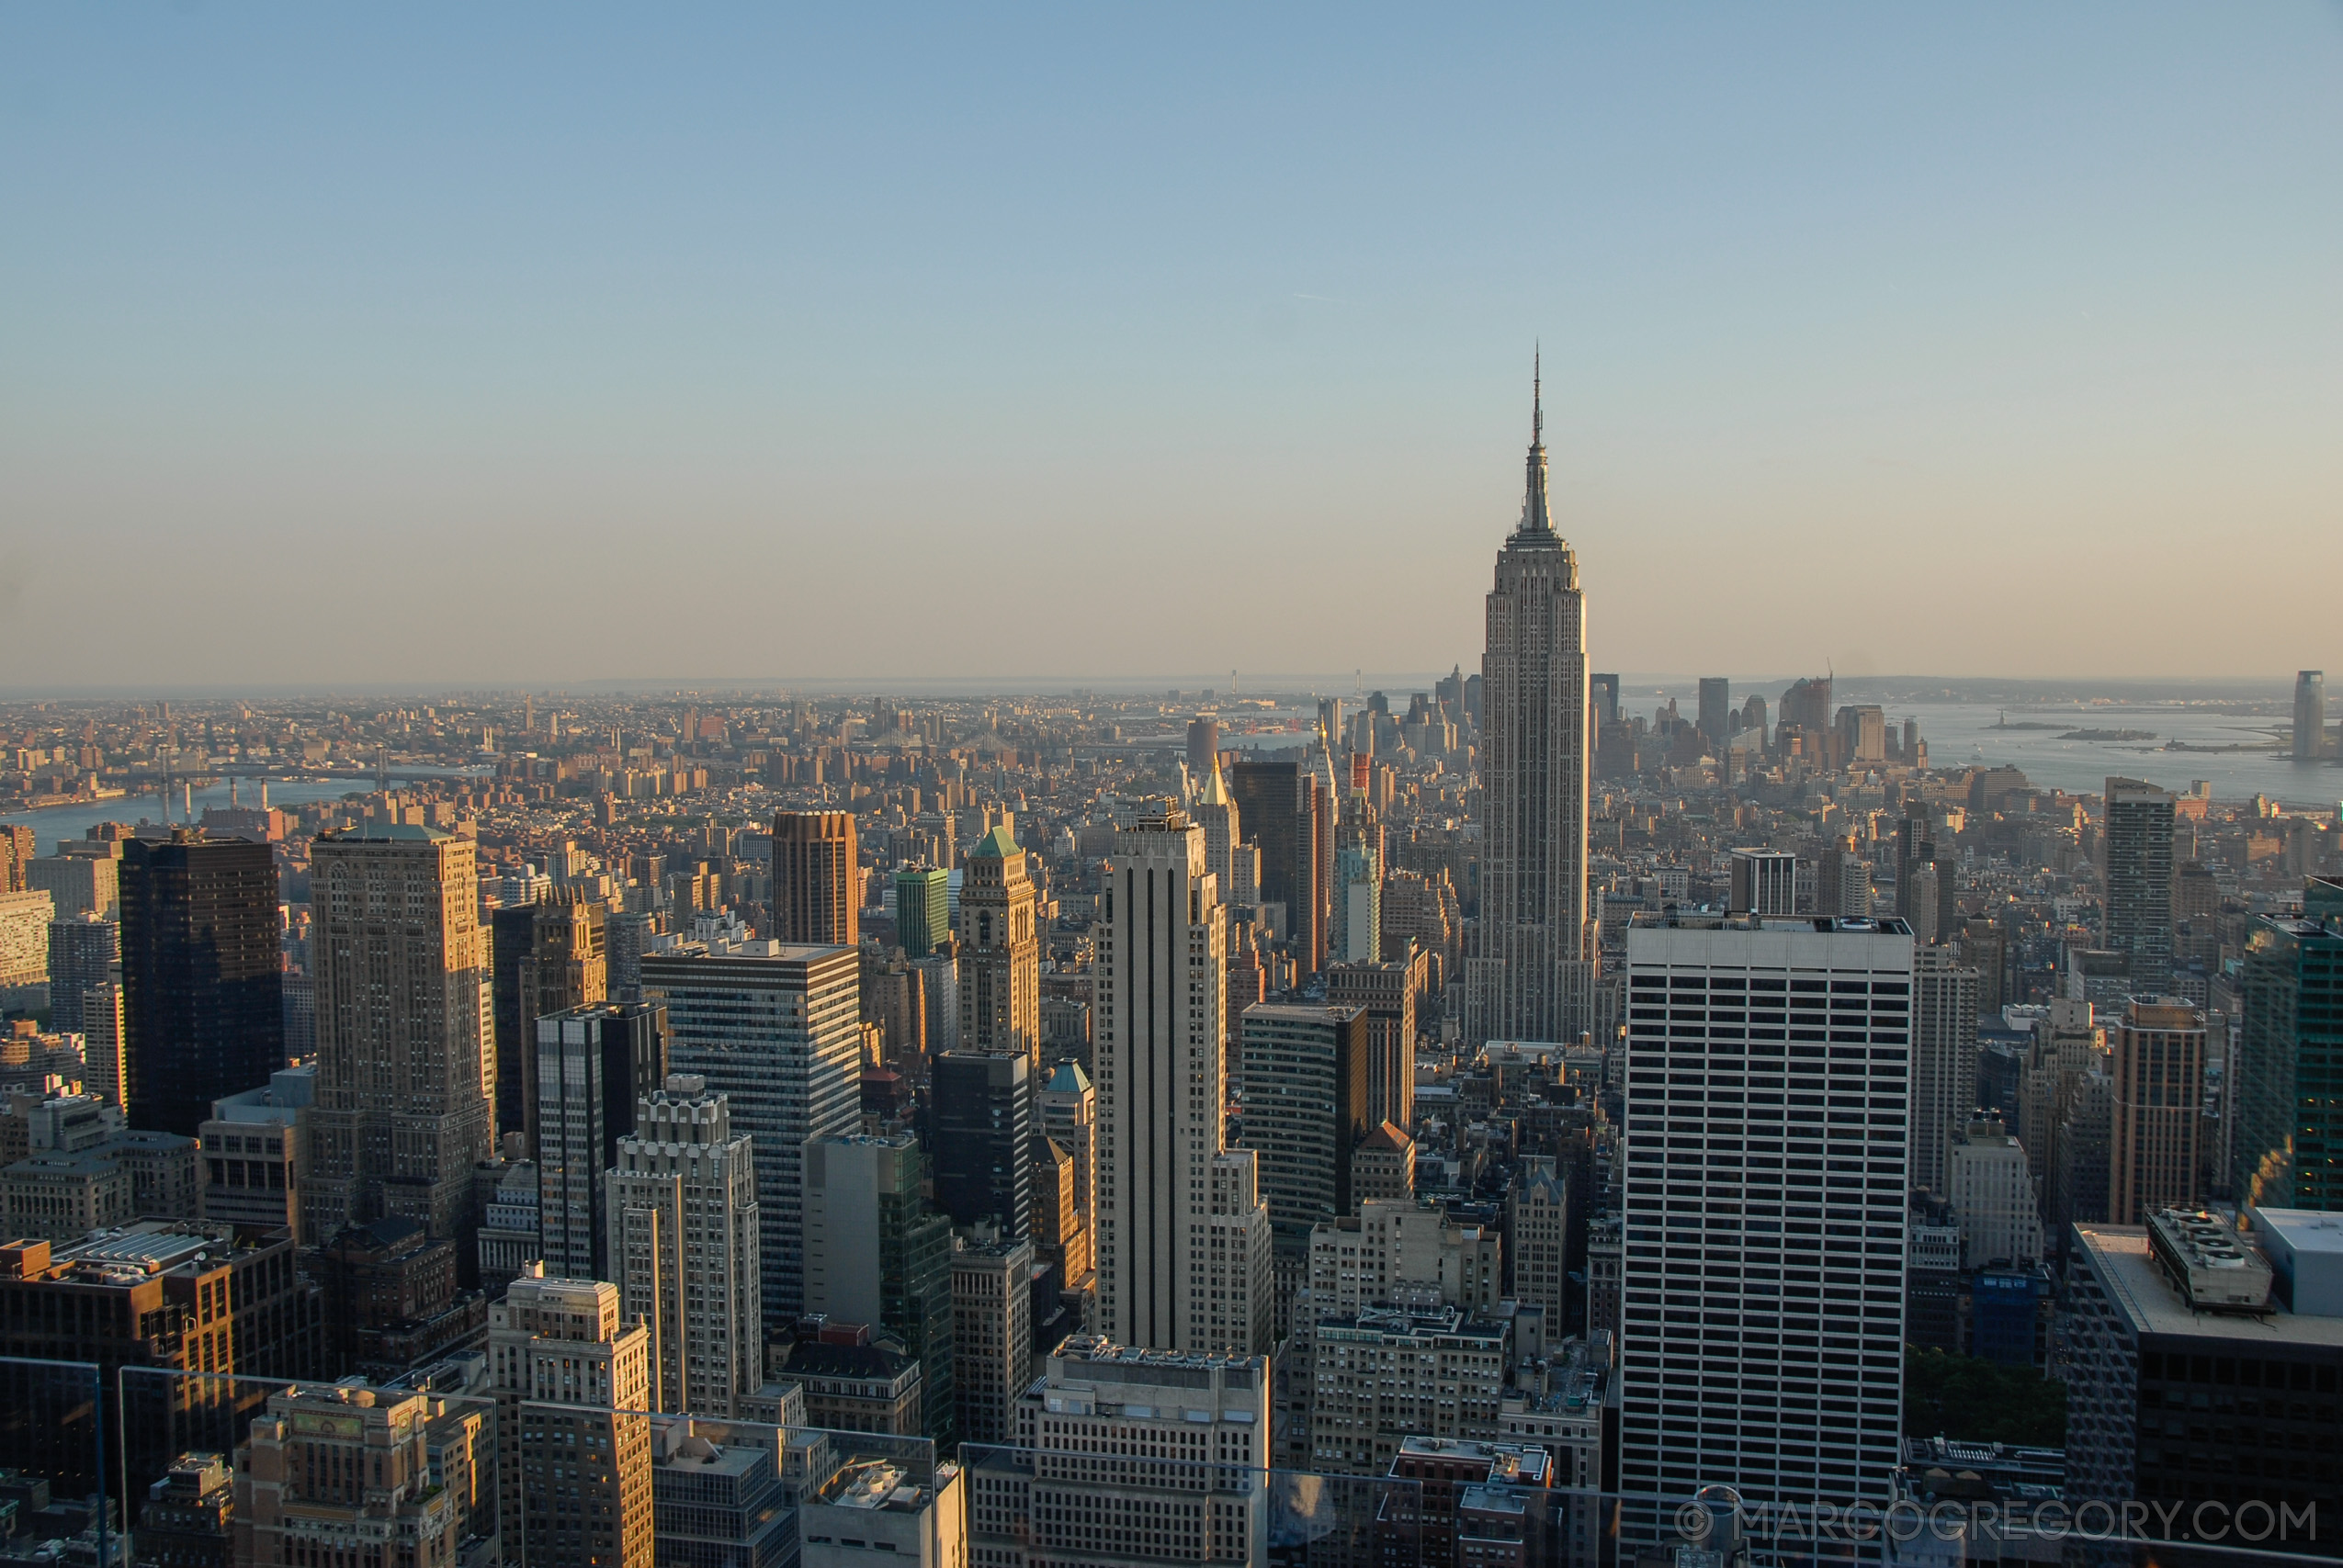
(539, 343)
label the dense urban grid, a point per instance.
(1463, 1126)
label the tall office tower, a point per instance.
(2310, 713)
(922, 910)
(1716, 711)
(875, 1254)
(2288, 1098)
(1305, 1110)
(1105, 1453)
(625, 937)
(1994, 1198)
(1529, 978)
(1358, 906)
(83, 952)
(1805, 1402)
(104, 1069)
(1765, 882)
(778, 1033)
(817, 879)
(78, 884)
(1068, 1112)
(980, 1136)
(18, 848)
(2063, 1048)
(991, 1336)
(1915, 848)
(1203, 747)
(1603, 699)
(1217, 813)
(1274, 812)
(1944, 1061)
(1539, 1230)
(404, 1110)
(1169, 1194)
(2138, 920)
(2158, 1118)
(511, 933)
(565, 967)
(594, 1064)
(1322, 796)
(203, 1010)
(1000, 964)
(683, 1229)
(572, 1381)
(1753, 723)
(1387, 992)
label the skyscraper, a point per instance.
(83, 952)
(1357, 936)
(1944, 1062)
(1000, 964)
(980, 1135)
(1227, 854)
(564, 967)
(1716, 711)
(1387, 992)
(776, 1030)
(1273, 810)
(2139, 883)
(817, 879)
(1182, 1238)
(922, 910)
(203, 1010)
(1304, 1110)
(2288, 1153)
(405, 1105)
(2310, 713)
(1603, 699)
(683, 1233)
(594, 1064)
(1765, 882)
(1528, 978)
(1204, 746)
(875, 1254)
(1761, 1345)
(2158, 1050)
(572, 1381)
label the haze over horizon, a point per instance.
(447, 348)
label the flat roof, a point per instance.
(2304, 1230)
(2139, 1291)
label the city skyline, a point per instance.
(2026, 289)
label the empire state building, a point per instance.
(1528, 974)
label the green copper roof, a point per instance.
(995, 845)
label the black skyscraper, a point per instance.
(203, 1009)
(980, 1136)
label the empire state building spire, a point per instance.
(1537, 515)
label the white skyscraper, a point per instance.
(1183, 1237)
(1944, 1061)
(776, 1028)
(1769, 1093)
(1527, 977)
(684, 1244)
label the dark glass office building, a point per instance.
(203, 1009)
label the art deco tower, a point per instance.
(405, 1079)
(1528, 978)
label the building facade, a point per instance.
(1174, 1207)
(1791, 1387)
(406, 1076)
(203, 1014)
(999, 951)
(817, 879)
(683, 1246)
(1528, 976)
(777, 1031)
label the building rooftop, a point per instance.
(996, 845)
(387, 832)
(2137, 1288)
